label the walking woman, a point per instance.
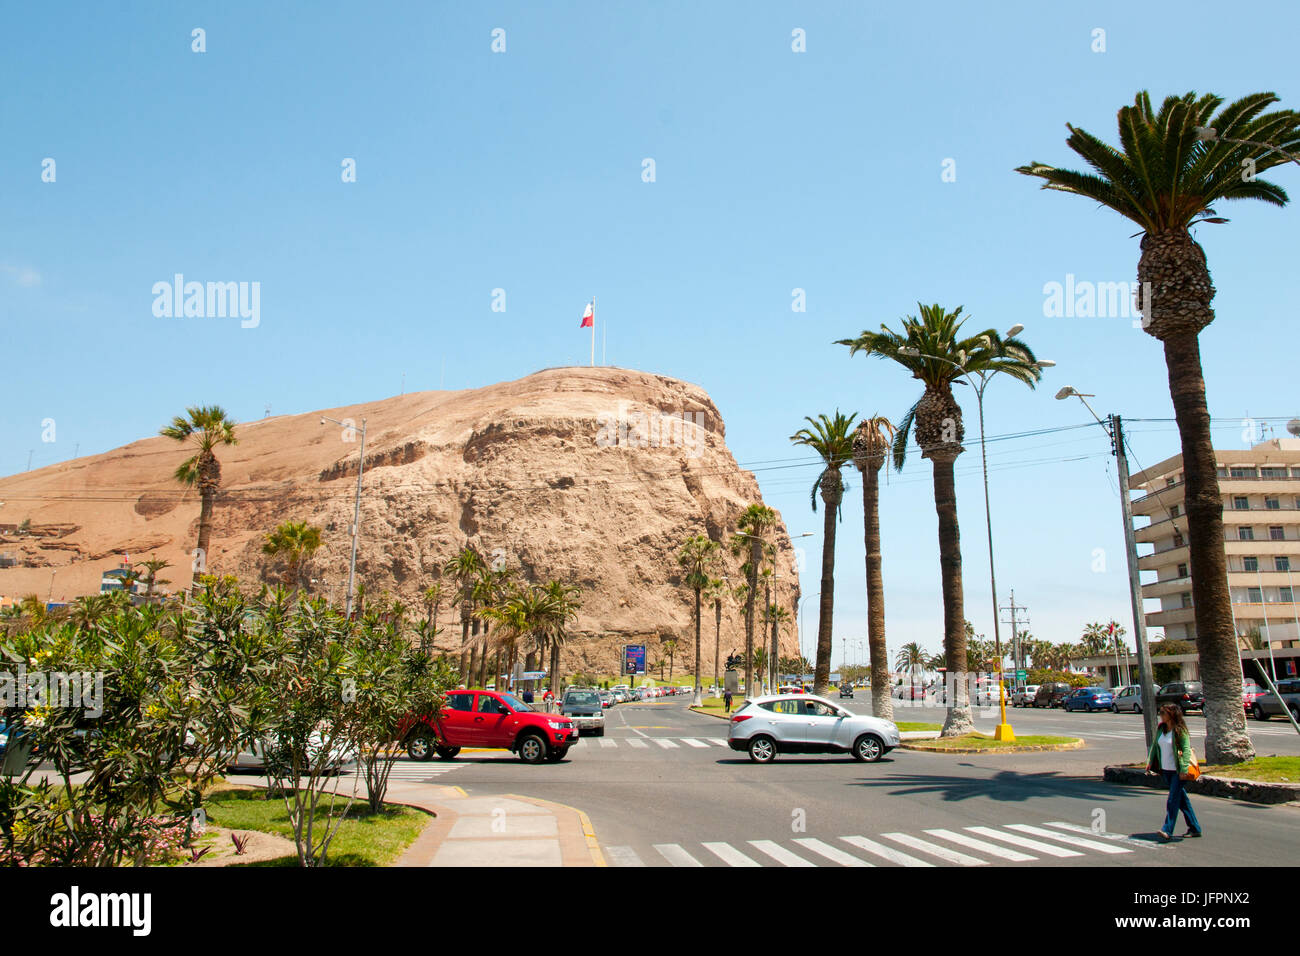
(1171, 755)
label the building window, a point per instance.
(1273, 472)
(1245, 471)
(1173, 511)
(1170, 482)
(1187, 599)
(1182, 570)
(1245, 534)
(1284, 595)
(1282, 564)
(1240, 503)
(1254, 596)
(1250, 564)
(1273, 504)
(1275, 533)
(1178, 539)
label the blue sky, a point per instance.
(522, 170)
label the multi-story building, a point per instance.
(1261, 520)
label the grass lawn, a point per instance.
(1263, 769)
(910, 726)
(984, 742)
(364, 839)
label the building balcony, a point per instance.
(1165, 558)
(1159, 589)
(1177, 615)
(1164, 528)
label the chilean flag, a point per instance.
(588, 318)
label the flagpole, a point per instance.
(593, 331)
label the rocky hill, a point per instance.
(592, 475)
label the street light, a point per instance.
(1004, 731)
(356, 509)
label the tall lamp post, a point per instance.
(1004, 731)
(356, 508)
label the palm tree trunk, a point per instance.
(755, 555)
(959, 720)
(882, 702)
(717, 638)
(698, 611)
(464, 641)
(205, 533)
(822, 670)
(1226, 740)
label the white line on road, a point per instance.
(1015, 856)
(664, 742)
(622, 856)
(1069, 840)
(779, 853)
(1025, 842)
(692, 742)
(884, 852)
(730, 855)
(830, 852)
(942, 852)
(634, 742)
(674, 854)
(718, 740)
(1118, 838)
(606, 742)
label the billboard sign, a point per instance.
(633, 659)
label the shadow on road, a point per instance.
(1007, 786)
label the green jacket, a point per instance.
(1182, 752)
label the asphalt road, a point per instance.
(662, 789)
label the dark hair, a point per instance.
(1172, 717)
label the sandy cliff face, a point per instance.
(592, 475)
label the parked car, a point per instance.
(1024, 696)
(1089, 699)
(482, 718)
(909, 692)
(783, 723)
(256, 754)
(1129, 699)
(1251, 692)
(1051, 695)
(1267, 705)
(1189, 695)
(606, 699)
(584, 708)
(846, 690)
(790, 689)
(986, 695)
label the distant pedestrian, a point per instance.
(1171, 755)
(528, 696)
(726, 701)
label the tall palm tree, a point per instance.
(871, 443)
(930, 347)
(562, 607)
(698, 556)
(151, 579)
(716, 591)
(465, 570)
(832, 440)
(203, 427)
(912, 658)
(296, 542)
(1095, 638)
(1165, 177)
(669, 645)
(775, 616)
(752, 529)
(432, 598)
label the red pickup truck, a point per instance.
(487, 719)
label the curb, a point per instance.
(1036, 748)
(696, 710)
(1232, 788)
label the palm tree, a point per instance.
(871, 444)
(754, 525)
(911, 657)
(1165, 177)
(698, 556)
(761, 658)
(1095, 638)
(206, 427)
(151, 579)
(930, 348)
(465, 569)
(669, 645)
(561, 607)
(776, 616)
(715, 591)
(432, 598)
(832, 440)
(296, 542)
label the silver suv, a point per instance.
(802, 723)
(585, 709)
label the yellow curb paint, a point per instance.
(588, 831)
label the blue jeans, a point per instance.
(1177, 801)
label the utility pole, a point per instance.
(1145, 677)
(1017, 652)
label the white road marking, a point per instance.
(1069, 840)
(779, 853)
(1038, 845)
(884, 852)
(830, 852)
(730, 855)
(1015, 856)
(622, 856)
(606, 742)
(692, 742)
(634, 742)
(942, 852)
(675, 855)
(665, 743)
(1116, 837)
(718, 740)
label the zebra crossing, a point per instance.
(1141, 735)
(965, 847)
(412, 771)
(646, 743)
